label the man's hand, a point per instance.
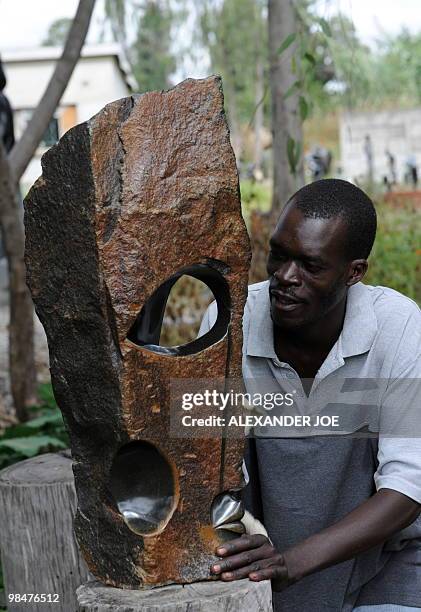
(252, 556)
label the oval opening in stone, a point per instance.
(150, 330)
(186, 304)
(144, 487)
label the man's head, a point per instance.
(318, 250)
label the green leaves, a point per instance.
(303, 108)
(31, 445)
(325, 27)
(294, 150)
(292, 89)
(310, 58)
(43, 433)
(287, 42)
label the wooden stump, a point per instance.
(214, 596)
(39, 553)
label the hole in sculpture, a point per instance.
(186, 304)
(169, 321)
(143, 485)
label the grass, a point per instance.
(396, 257)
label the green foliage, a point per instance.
(254, 196)
(396, 259)
(235, 35)
(326, 29)
(303, 108)
(44, 432)
(57, 32)
(287, 42)
(153, 61)
(292, 89)
(294, 150)
(397, 69)
(150, 55)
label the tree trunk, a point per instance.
(258, 118)
(21, 341)
(259, 92)
(39, 553)
(212, 596)
(21, 326)
(116, 13)
(286, 122)
(23, 151)
(231, 105)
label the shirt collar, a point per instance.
(356, 338)
(360, 324)
(260, 337)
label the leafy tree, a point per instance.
(398, 69)
(149, 52)
(153, 61)
(234, 33)
(57, 32)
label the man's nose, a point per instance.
(288, 274)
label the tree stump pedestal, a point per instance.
(39, 554)
(212, 596)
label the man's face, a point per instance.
(307, 267)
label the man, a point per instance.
(6, 116)
(7, 137)
(329, 503)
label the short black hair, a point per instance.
(330, 198)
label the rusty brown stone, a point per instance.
(144, 189)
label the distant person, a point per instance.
(411, 174)
(391, 166)
(6, 116)
(7, 135)
(368, 151)
(319, 162)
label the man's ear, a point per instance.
(356, 271)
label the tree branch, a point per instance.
(23, 151)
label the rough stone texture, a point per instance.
(145, 188)
(238, 596)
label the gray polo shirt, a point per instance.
(302, 480)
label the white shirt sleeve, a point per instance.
(399, 451)
(209, 319)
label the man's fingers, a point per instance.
(278, 574)
(241, 544)
(244, 572)
(243, 559)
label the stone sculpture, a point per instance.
(144, 192)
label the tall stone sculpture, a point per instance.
(144, 192)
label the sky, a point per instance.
(24, 23)
(374, 17)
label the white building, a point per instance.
(396, 131)
(100, 77)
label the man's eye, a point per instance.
(313, 268)
(277, 256)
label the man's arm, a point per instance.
(370, 524)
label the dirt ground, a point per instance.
(41, 352)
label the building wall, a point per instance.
(396, 131)
(95, 82)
